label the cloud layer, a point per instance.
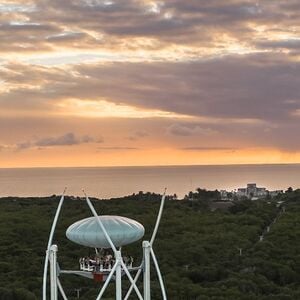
(201, 26)
(184, 75)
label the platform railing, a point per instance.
(100, 268)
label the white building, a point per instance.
(252, 191)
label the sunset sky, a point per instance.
(137, 82)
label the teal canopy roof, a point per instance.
(121, 230)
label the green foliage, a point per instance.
(198, 250)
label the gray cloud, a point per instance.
(199, 23)
(24, 145)
(188, 130)
(137, 135)
(259, 86)
(253, 86)
(286, 44)
(68, 139)
(24, 36)
(136, 18)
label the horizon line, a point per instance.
(152, 166)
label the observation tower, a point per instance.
(107, 235)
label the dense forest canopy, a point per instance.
(249, 251)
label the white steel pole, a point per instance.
(100, 223)
(107, 281)
(146, 270)
(161, 208)
(62, 292)
(131, 280)
(50, 243)
(118, 276)
(53, 272)
(163, 291)
(131, 287)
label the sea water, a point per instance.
(109, 182)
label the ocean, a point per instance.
(109, 182)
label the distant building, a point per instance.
(253, 192)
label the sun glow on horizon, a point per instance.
(82, 156)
